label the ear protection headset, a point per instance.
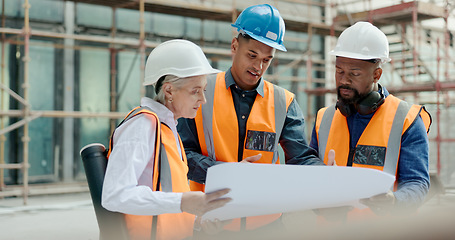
(366, 105)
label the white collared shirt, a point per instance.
(129, 175)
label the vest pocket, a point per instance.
(369, 155)
(260, 141)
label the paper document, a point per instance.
(259, 189)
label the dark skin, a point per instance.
(355, 78)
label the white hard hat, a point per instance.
(362, 41)
(176, 57)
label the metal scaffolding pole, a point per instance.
(438, 113)
(68, 94)
(141, 43)
(26, 86)
(2, 104)
(414, 47)
(113, 71)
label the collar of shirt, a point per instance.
(384, 90)
(230, 81)
(164, 114)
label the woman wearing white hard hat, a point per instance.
(146, 175)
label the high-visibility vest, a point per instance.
(169, 175)
(379, 145)
(218, 132)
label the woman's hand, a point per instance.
(198, 203)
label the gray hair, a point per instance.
(173, 80)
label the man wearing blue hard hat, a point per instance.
(246, 117)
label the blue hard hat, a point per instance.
(263, 23)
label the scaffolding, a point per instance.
(414, 75)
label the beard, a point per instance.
(352, 100)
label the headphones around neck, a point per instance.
(366, 105)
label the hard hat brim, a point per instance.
(357, 56)
(263, 40)
(180, 74)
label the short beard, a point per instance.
(348, 101)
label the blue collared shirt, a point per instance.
(413, 176)
(292, 138)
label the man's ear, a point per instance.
(234, 45)
(377, 74)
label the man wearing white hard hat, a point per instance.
(370, 128)
(246, 117)
(146, 175)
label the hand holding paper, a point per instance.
(198, 203)
(331, 158)
(380, 204)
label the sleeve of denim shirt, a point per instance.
(314, 140)
(413, 176)
(293, 141)
(197, 163)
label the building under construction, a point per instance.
(71, 69)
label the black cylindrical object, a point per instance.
(111, 224)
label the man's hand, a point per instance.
(331, 158)
(252, 159)
(198, 203)
(380, 204)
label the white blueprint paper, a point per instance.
(259, 189)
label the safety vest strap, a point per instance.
(207, 115)
(130, 115)
(280, 112)
(324, 130)
(164, 177)
(164, 169)
(394, 143)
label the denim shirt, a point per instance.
(413, 177)
(292, 138)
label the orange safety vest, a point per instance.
(218, 132)
(172, 173)
(383, 132)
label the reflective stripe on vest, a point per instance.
(207, 113)
(324, 130)
(172, 172)
(404, 115)
(394, 143)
